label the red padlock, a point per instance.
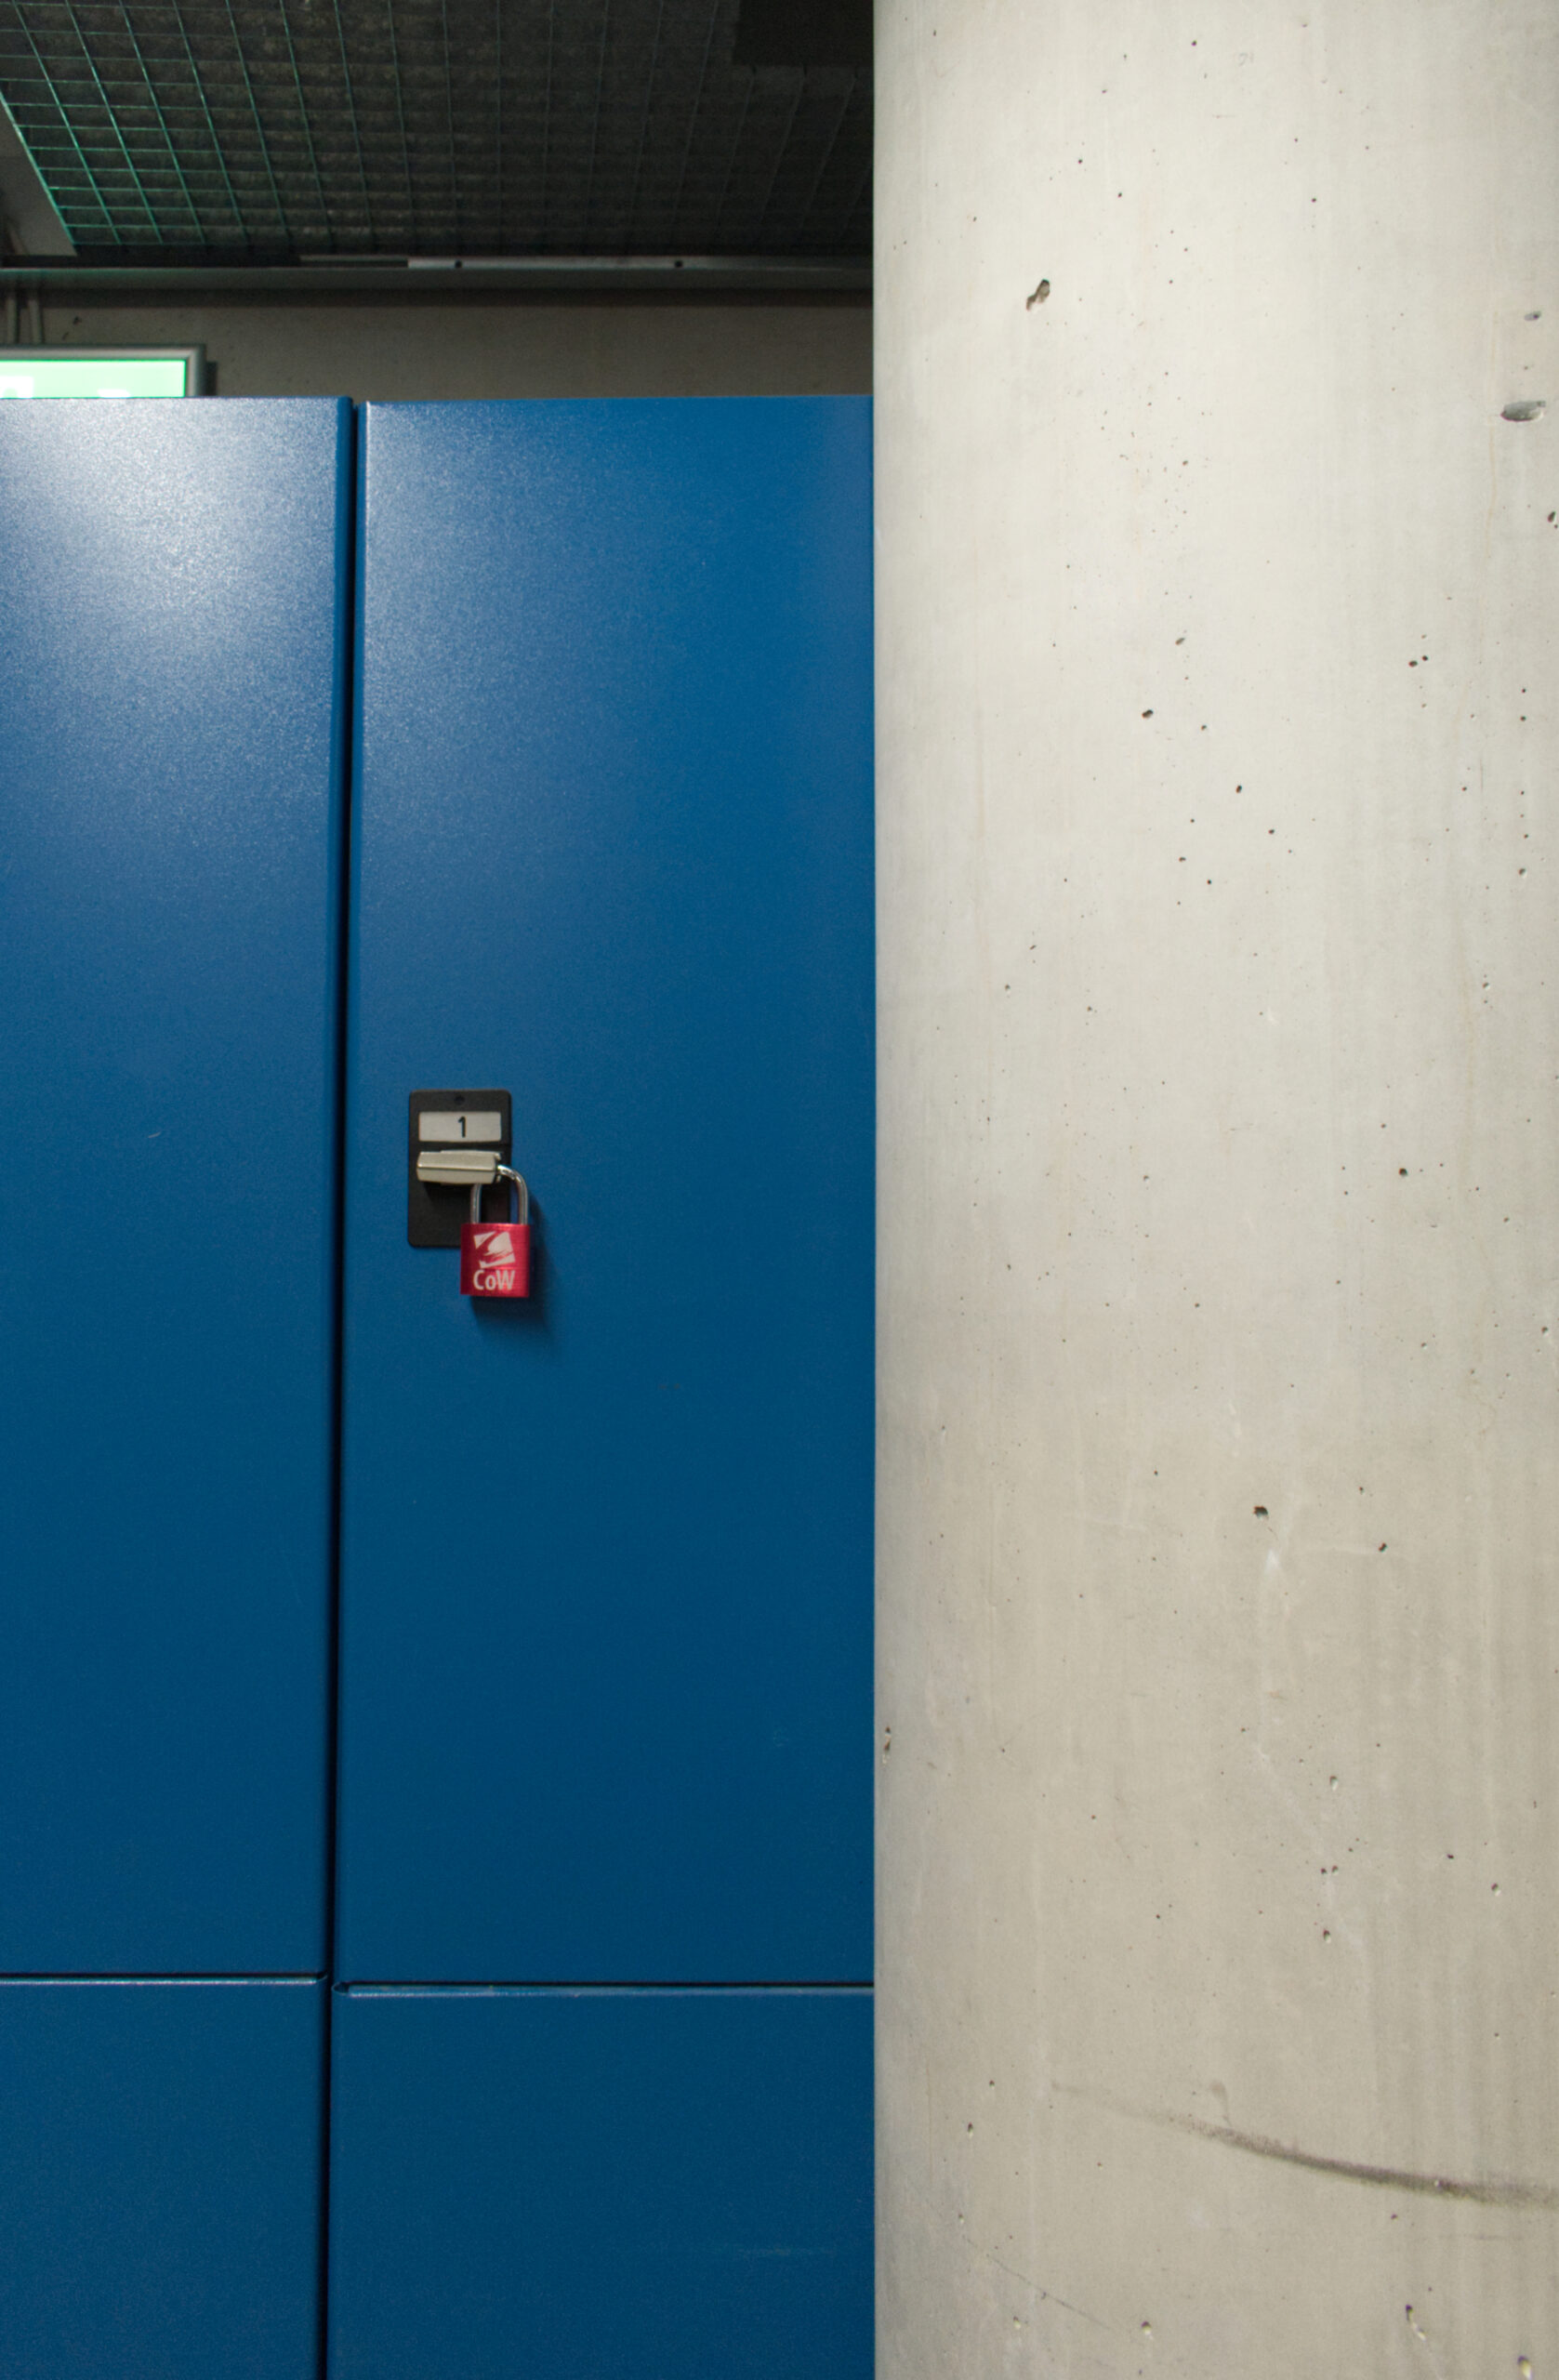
(496, 1258)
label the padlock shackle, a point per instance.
(522, 1197)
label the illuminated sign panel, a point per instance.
(100, 372)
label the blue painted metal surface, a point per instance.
(159, 2183)
(606, 1616)
(601, 2186)
(172, 682)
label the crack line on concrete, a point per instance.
(1392, 2177)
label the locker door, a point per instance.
(602, 2086)
(173, 598)
(171, 682)
(607, 1589)
(596, 2184)
(160, 2185)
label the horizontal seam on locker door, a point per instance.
(154, 1975)
(574, 1983)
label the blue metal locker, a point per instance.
(606, 1556)
(604, 1698)
(160, 2180)
(606, 1582)
(601, 2186)
(172, 683)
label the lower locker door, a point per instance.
(601, 2185)
(160, 2181)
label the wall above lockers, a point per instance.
(562, 345)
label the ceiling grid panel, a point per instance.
(268, 130)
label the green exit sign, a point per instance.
(100, 372)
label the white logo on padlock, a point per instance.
(496, 1258)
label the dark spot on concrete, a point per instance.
(1524, 409)
(1147, 714)
(1037, 298)
(1260, 1511)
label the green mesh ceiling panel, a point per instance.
(273, 128)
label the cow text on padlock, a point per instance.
(496, 1258)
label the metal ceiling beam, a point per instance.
(449, 276)
(30, 222)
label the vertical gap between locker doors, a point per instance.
(349, 677)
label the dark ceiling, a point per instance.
(273, 129)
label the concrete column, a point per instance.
(1218, 529)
